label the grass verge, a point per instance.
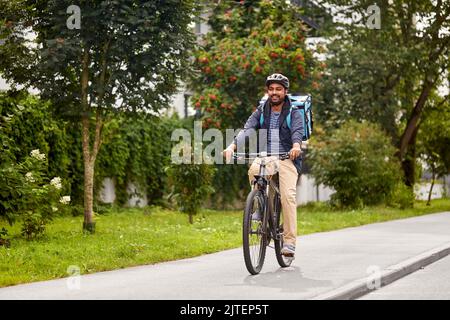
(130, 237)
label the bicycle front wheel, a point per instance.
(283, 261)
(254, 232)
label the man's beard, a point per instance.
(278, 101)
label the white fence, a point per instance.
(422, 190)
(307, 191)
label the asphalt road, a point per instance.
(325, 261)
(431, 282)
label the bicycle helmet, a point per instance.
(277, 78)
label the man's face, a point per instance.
(276, 93)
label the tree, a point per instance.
(388, 74)
(434, 141)
(190, 183)
(96, 59)
(248, 41)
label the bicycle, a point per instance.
(257, 234)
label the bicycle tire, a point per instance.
(283, 261)
(254, 247)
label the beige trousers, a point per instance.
(288, 186)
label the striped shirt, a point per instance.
(273, 143)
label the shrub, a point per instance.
(402, 197)
(191, 184)
(358, 161)
(27, 193)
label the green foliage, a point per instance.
(434, 138)
(26, 126)
(231, 185)
(27, 123)
(249, 41)
(127, 56)
(27, 193)
(136, 51)
(136, 149)
(137, 152)
(402, 197)
(385, 75)
(4, 241)
(191, 184)
(358, 161)
(377, 74)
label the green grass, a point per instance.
(132, 237)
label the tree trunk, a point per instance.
(191, 218)
(413, 121)
(89, 157)
(433, 177)
(90, 153)
(409, 161)
(88, 224)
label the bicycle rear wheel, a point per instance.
(254, 232)
(283, 261)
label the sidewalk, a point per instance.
(324, 262)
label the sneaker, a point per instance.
(288, 250)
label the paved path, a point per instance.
(432, 282)
(325, 261)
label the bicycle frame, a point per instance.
(264, 184)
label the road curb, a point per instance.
(361, 287)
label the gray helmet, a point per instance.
(278, 78)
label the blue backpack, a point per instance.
(300, 103)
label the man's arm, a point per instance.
(252, 123)
(297, 131)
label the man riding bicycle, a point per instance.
(280, 138)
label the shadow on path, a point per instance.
(287, 280)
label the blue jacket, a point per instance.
(287, 136)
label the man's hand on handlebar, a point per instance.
(228, 153)
(295, 151)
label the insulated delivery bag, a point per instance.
(299, 103)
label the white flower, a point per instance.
(37, 154)
(65, 200)
(386, 159)
(54, 209)
(29, 177)
(56, 182)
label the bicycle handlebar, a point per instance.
(281, 156)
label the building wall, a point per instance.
(308, 191)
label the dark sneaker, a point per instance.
(288, 250)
